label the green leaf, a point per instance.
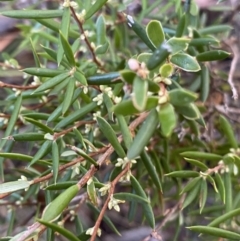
(166, 70)
(30, 136)
(59, 229)
(178, 44)
(147, 162)
(77, 115)
(167, 119)
(218, 232)
(65, 23)
(13, 186)
(227, 129)
(55, 208)
(181, 26)
(220, 187)
(155, 32)
(159, 56)
(52, 82)
(197, 42)
(196, 163)
(147, 209)
(183, 174)
(79, 76)
(130, 197)
(61, 185)
(185, 62)
(212, 55)
(215, 29)
(104, 79)
(111, 136)
(229, 215)
(144, 134)
(58, 111)
(192, 194)
(12, 120)
(203, 194)
(39, 124)
(201, 155)
(181, 97)
(91, 191)
(42, 151)
(141, 33)
(55, 160)
(32, 14)
(205, 83)
(126, 107)
(43, 72)
(126, 134)
(94, 8)
(69, 95)
(102, 43)
(189, 111)
(140, 89)
(67, 50)
(191, 184)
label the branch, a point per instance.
(105, 206)
(79, 23)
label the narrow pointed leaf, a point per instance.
(94, 8)
(227, 129)
(67, 50)
(69, 95)
(147, 209)
(55, 159)
(218, 232)
(111, 136)
(77, 115)
(59, 229)
(52, 82)
(151, 170)
(143, 136)
(33, 14)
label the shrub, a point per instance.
(113, 116)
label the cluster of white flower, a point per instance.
(123, 162)
(113, 203)
(90, 231)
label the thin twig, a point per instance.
(104, 208)
(235, 51)
(79, 23)
(19, 87)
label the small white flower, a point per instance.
(85, 89)
(96, 132)
(117, 99)
(95, 115)
(123, 162)
(98, 99)
(81, 15)
(88, 128)
(23, 178)
(75, 169)
(103, 190)
(126, 177)
(113, 203)
(90, 231)
(93, 45)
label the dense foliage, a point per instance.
(113, 115)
